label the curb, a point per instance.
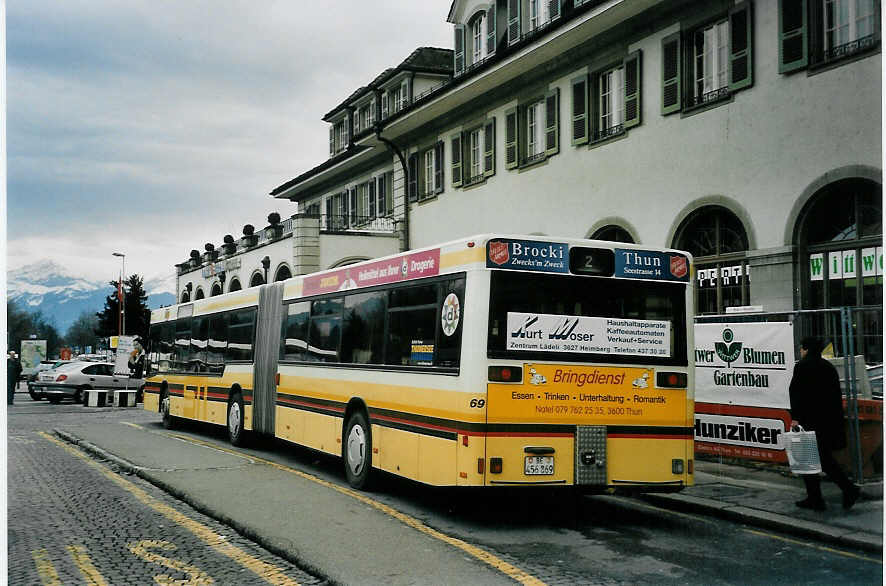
(800, 527)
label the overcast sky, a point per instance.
(153, 127)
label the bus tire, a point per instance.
(357, 451)
(236, 433)
(168, 419)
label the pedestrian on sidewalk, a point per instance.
(13, 372)
(817, 405)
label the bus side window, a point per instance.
(325, 332)
(217, 343)
(363, 330)
(165, 346)
(199, 335)
(294, 341)
(182, 344)
(412, 318)
(240, 335)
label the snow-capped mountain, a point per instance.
(62, 296)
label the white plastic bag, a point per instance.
(802, 449)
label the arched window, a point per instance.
(235, 285)
(256, 280)
(185, 297)
(199, 294)
(283, 273)
(216, 290)
(718, 241)
(613, 233)
(839, 237)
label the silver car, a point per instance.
(71, 380)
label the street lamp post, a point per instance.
(121, 316)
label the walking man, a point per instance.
(13, 372)
(817, 405)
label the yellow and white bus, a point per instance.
(496, 360)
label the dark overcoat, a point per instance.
(817, 401)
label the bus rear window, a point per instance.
(586, 319)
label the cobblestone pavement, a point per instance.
(74, 520)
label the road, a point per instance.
(279, 514)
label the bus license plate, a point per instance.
(538, 465)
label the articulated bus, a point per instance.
(496, 360)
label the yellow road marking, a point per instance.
(816, 546)
(84, 563)
(45, 568)
(268, 572)
(484, 556)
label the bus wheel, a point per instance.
(357, 454)
(168, 419)
(236, 435)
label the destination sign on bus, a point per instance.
(650, 264)
(528, 255)
(595, 335)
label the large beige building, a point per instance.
(748, 133)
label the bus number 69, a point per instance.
(478, 403)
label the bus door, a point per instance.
(267, 346)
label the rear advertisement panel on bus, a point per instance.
(565, 333)
(571, 394)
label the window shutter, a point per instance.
(389, 193)
(670, 74)
(489, 149)
(580, 110)
(344, 210)
(553, 9)
(384, 105)
(329, 213)
(793, 41)
(406, 91)
(438, 167)
(513, 21)
(459, 55)
(347, 138)
(491, 39)
(741, 68)
(381, 193)
(552, 122)
(632, 89)
(373, 211)
(352, 196)
(412, 180)
(455, 143)
(511, 139)
(331, 140)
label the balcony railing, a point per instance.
(345, 223)
(850, 48)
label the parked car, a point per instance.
(71, 380)
(42, 367)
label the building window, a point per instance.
(613, 233)
(425, 173)
(611, 101)
(716, 59)
(613, 105)
(718, 241)
(478, 39)
(338, 137)
(840, 241)
(532, 131)
(710, 62)
(819, 32)
(473, 155)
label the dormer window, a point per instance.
(365, 117)
(399, 97)
(478, 38)
(338, 137)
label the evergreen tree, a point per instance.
(138, 316)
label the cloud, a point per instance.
(158, 126)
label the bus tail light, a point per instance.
(505, 374)
(677, 466)
(671, 380)
(495, 465)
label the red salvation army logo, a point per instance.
(679, 266)
(498, 252)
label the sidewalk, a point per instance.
(765, 497)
